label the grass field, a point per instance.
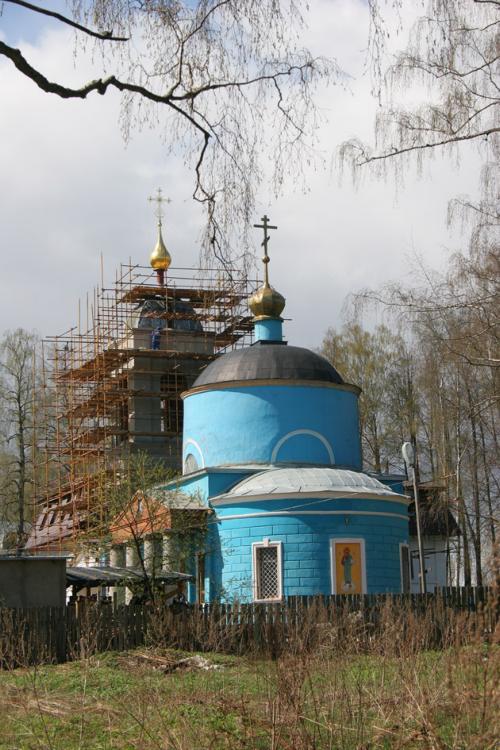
(446, 699)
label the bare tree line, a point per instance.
(424, 386)
(438, 384)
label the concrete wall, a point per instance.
(144, 374)
(32, 582)
(435, 563)
(182, 341)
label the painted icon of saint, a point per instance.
(347, 561)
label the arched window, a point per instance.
(190, 464)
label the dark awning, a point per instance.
(108, 576)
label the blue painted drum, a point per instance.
(268, 330)
(264, 423)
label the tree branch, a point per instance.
(102, 84)
(422, 146)
(106, 35)
(170, 99)
(271, 77)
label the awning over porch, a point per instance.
(109, 576)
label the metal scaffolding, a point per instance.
(112, 385)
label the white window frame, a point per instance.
(344, 540)
(279, 557)
(401, 545)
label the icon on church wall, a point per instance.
(348, 568)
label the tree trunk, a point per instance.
(376, 448)
(476, 536)
(462, 511)
(446, 463)
(491, 518)
(21, 490)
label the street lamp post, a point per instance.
(409, 459)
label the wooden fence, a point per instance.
(416, 621)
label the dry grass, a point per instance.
(338, 687)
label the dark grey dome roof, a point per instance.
(269, 361)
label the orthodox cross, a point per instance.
(159, 199)
(265, 226)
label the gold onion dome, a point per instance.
(160, 257)
(266, 302)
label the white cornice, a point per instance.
(344, 494)
(265, 514)
(281, 382)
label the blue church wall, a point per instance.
(197, 485)
(273, 423)
(315, 504)
(219, 482)
(394, 481)
(306, 543)
(206, 484)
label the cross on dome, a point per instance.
(159, 200)
(265, 226)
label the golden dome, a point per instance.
(160, 257)
(266, 302)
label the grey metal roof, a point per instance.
(269, 361)
(112, 576)
(307, 480)
(15, 555)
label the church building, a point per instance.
(192, 370)
(271, 445)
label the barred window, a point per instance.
(267, 571)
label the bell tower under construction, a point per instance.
(112, 384)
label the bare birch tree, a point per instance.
(211, 75)
(453, 54)
(17, 393)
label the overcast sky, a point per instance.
(71, 190)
